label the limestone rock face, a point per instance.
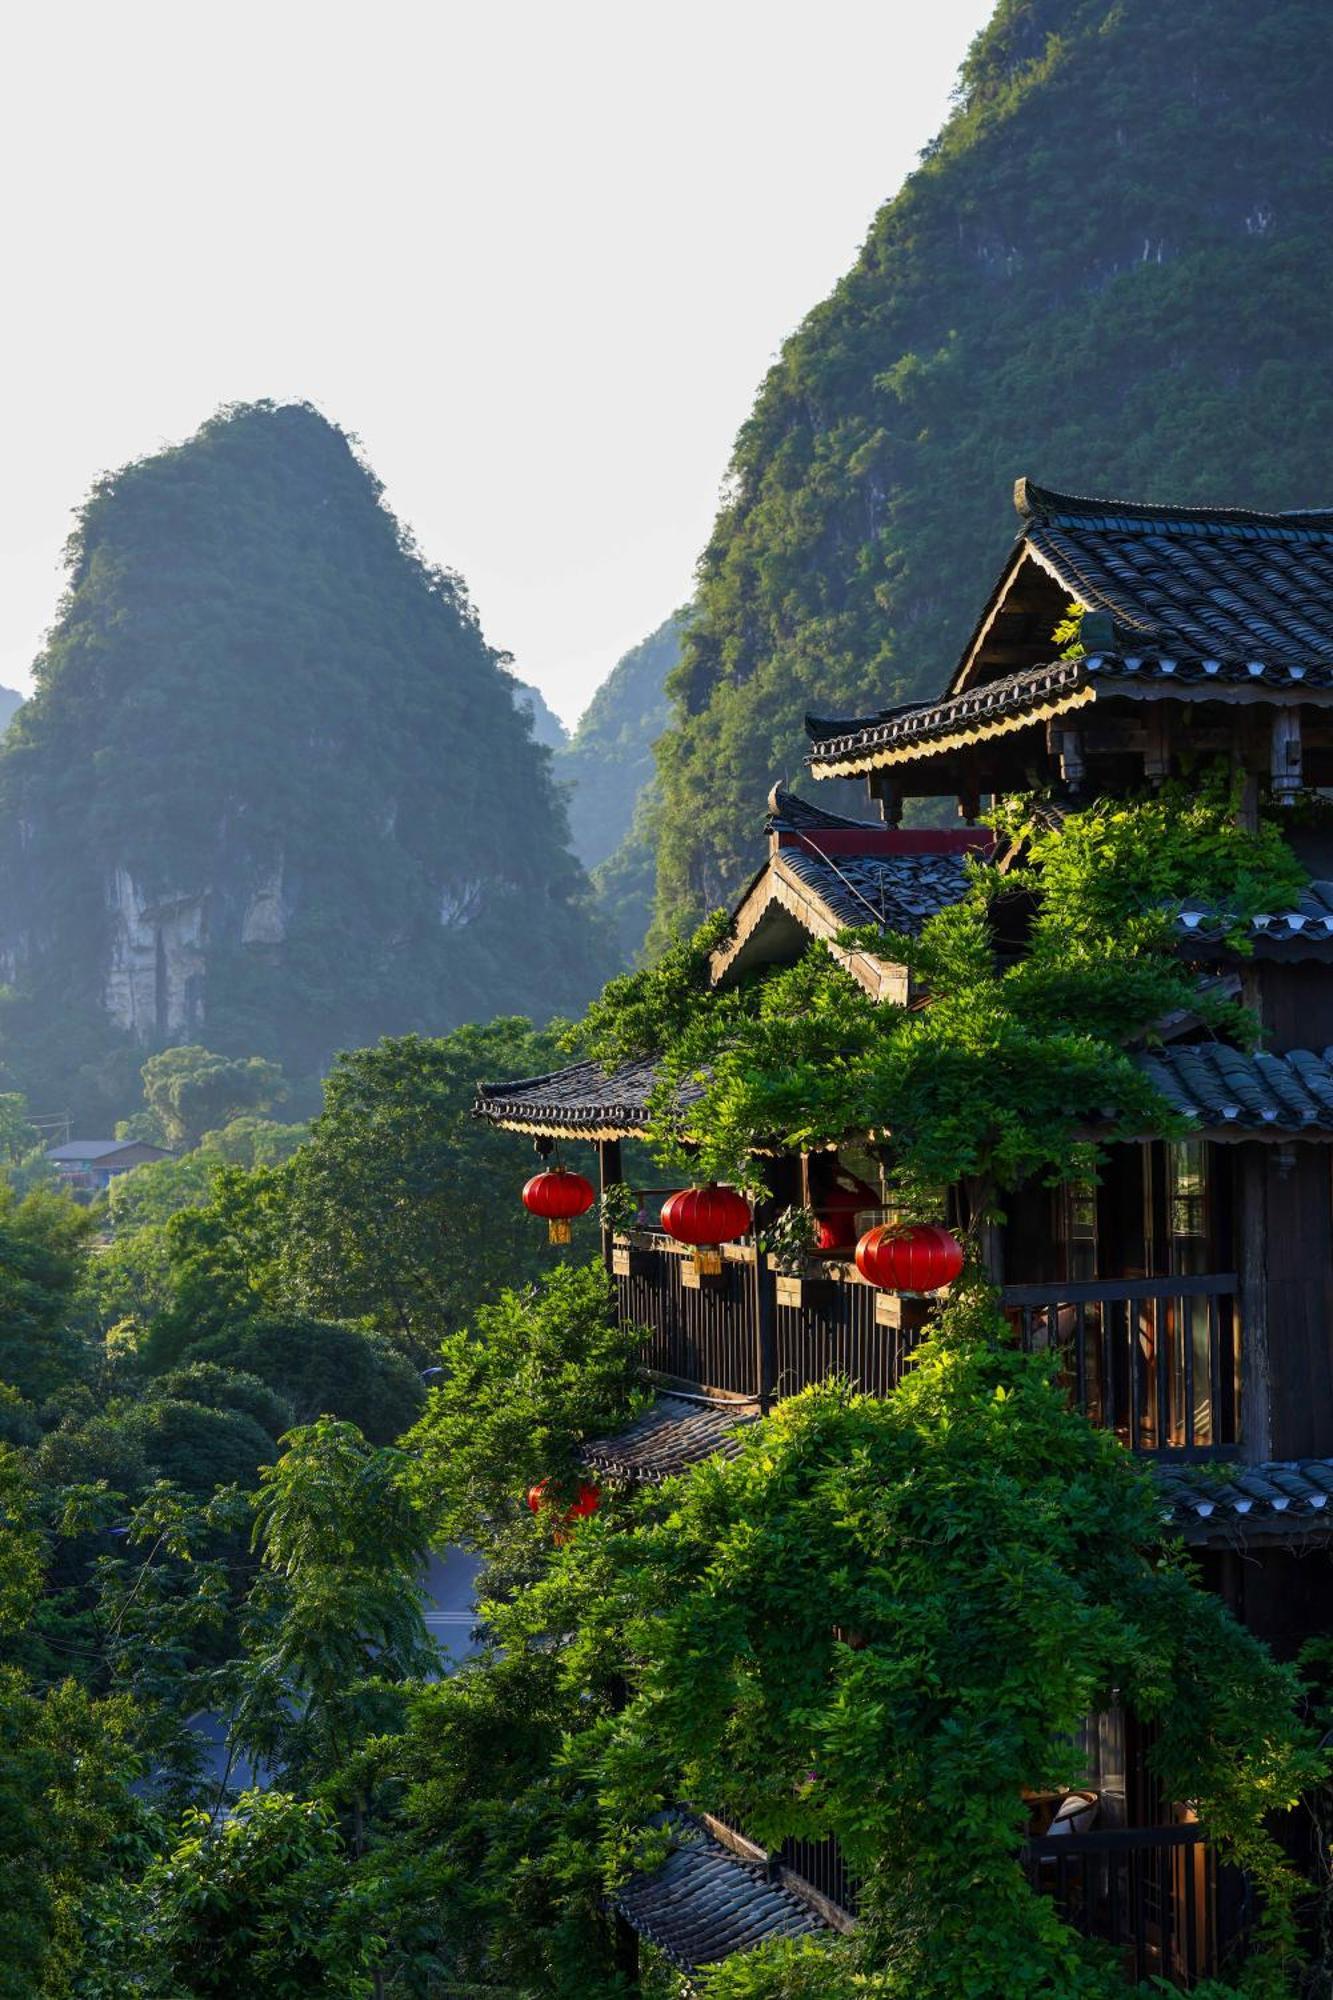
(156, 958)
(266, 916)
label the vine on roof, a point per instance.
(1039, 981)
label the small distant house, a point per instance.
(89, 1165)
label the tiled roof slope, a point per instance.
(1218, 582)
(677, 1432)
(1220, 1503)
(896, 891)
(1216, 1086)
(1213, 1085)
(1311, 922)
(583, 1098)
(789, 813)
(704, 1903)
(1056, 682)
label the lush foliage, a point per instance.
(1146, 323)
(1020, 1056)
(397, 1213)
(190, 1091)
(537, 1373)
(257, 697)
(403, 1210)
(818, 1637)
(823, 1632)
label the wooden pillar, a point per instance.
(1157, 750)
(887, 794)
(1285, 771)
(763, 1298)
(1251, 1238)
(609, 1171)
(1067, 745)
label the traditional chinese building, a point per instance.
(1188, 1296)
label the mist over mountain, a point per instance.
(272, 789)
(547, 728)
(609, 757)
(1110, 272)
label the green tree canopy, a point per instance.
(190, 1091)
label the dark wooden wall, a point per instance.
(1295, 1005)
(1296, 1189)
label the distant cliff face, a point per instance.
(1111, 272)
(272, 788)
(609, 757)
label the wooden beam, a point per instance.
(1157, 748)
(1285, 767)
(609, 1171)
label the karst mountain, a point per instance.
(272, 791)
(1110, 272)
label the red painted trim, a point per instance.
(892, 840)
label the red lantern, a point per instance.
(559, 1196)
(836, 1211)
(917, 1259)
(588, 1501)
(706, 1217)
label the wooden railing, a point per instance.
(1153, 1359)
(751, 1332)
(1154, 1893)
(703, 1333)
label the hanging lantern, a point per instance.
(706, 1217)
(836, 1211)
(588, 1501)
(917, 1259)
(559, 1196)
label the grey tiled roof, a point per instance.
(1287, 1498)
(896, 891)
(584, 1097)
(1218, 1086)
(677, 1432)
(1212, 1084)
(1311, 922)
(788, 813)
(1201, 580)
(704, 1903)
(837, 740)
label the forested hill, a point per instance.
(1110, 271)
(272, 788)
(609, 758)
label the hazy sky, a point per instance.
(536, 256)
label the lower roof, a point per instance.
(1221, 1089)
(705, 1902)
(676, 1433)
(1226, 1505)
(1223, 1092)
(584, 1101)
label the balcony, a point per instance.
(751, 1332)
(1155, 1360)
(1156, 1894)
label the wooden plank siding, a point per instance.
(1298, 1297)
